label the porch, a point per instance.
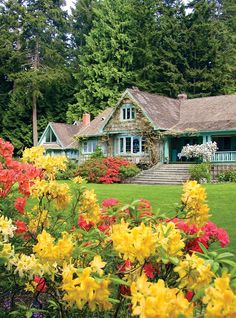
(226, 143)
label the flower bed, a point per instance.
(69, 257)
(107, 170)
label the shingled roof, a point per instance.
(95, 128)
(162, 111)
(66, 133)
(207, 113)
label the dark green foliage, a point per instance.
(128, 171)
(70, 171)
(33, 64)
(227, 176)
(98, 153)
(106, 60)
(210, 51)
(201, 172)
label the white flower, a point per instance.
(203, 151)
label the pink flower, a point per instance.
(110, 202)
(83, 224)
(223, 237)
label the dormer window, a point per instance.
(50, 137)
(128, 112)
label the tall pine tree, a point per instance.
(106, 61)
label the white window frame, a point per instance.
(123, 140)
(91, 146)
(50, 133)
(125, 109)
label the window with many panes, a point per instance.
(89, 146)
(50, 137)
(131, 144)
(128, 112)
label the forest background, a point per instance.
(55, 66)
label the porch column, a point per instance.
(166, 151)
(206, 138)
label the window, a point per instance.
(127, 112)
(50, 137)
(89, 146)
(133, 145)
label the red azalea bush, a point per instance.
(107, 170)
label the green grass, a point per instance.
(221, 200)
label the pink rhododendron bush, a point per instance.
(64, 255)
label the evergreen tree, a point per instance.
(41, 41)
(164, 74)
(106, 61)
(210, 51)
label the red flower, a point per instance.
(21, 227)
(83, 224)
(41, 285)
(124, 290)
(125, 266)
(189, 295)
(20, 204)
(223, 237)
(149, 270)
(104, 228)
(110, 202)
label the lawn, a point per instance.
(221, 200)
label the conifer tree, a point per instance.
(106, 61)
(210, 51)
(41, 42)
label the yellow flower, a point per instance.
(137, 243)
(81, 289)
(89, 206)
(52, 191)
(27, 265)
(47, 251)
(220, 299)
(97, 264)
(6, 250)
(169, 240)
(194, 198)
(6, 228)
(152, 300)
(78, 180)
(194, 273)
(50, 164)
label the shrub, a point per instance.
(227, 176)
(70, 171)
(107, 170)
(68, 257)
(200, 172)
(98, 153)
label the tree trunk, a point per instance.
(34, 118)
(34, 97)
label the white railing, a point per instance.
(224, 156)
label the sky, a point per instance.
(69, 3)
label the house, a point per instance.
(146, 127)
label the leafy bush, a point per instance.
(227, 176)
(70, 171)
(98, 153)
(200, 172)
(70, 257)
(107, 170)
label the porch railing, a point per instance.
(224, 156)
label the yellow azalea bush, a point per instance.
(62, 254)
